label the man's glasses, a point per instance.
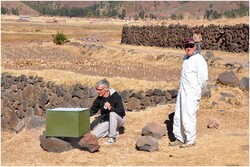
(100, 89)
(190, 45)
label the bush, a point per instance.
(59, 38)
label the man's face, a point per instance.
(101, 90)
(190, 49)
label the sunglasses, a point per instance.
(190, 45)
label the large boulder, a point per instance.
(53, 144)
(228, 78)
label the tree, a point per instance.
(141, 14)
(173, 17)
(211, 14)
(123, 13)
(14, 11)
(3, 10)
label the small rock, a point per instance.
(89, 142)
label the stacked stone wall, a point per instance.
(27, 96)
(225, 38)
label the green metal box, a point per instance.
(67, 122)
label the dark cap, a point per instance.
(189, 41)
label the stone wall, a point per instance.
(27, 96)
(225, 38)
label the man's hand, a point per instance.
(107, 105)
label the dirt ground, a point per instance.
(27, 49)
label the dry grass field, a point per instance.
(27, 48)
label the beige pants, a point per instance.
(107, 128)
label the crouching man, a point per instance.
(110, 104)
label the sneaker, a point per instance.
(187, 145)
(175, 143)
(111, 140)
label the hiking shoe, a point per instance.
(111, 140)
(175, 143)
(187, 145)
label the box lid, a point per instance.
(68, 109)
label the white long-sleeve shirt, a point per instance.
(194, 73)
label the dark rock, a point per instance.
(149, 92)
(5, 101)
(244, 83)
(52, 144)
(160, 100)
(35, 122)
(125, 95)
(240, 69)
(55, 100)
(39, 79)
(214, 104)
(158, 92)
(147, 143)
(92, 92)
(140, 95)
(167, 95)
(11, 117)
(146, 101)
(75, 102)
(23, 78)
(4, 124)
(38, 111)
(84, 101)
(44, 99)
(208, 55)
(89, 142)
(11, 95)
(173, 93)
(154, 130)
(14, 88)
(133, 104)
(25, 105)
(67, 97)
(59, 91)
(20, 96)
(206, 93)
(223, 94)
(30, 111)
(228, 78)
(230, 65)
(16, 104)
(78, 93)
(28, 92)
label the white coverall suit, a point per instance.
(193, 79)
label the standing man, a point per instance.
(198, 40)
(193, 80)
(109, 102)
